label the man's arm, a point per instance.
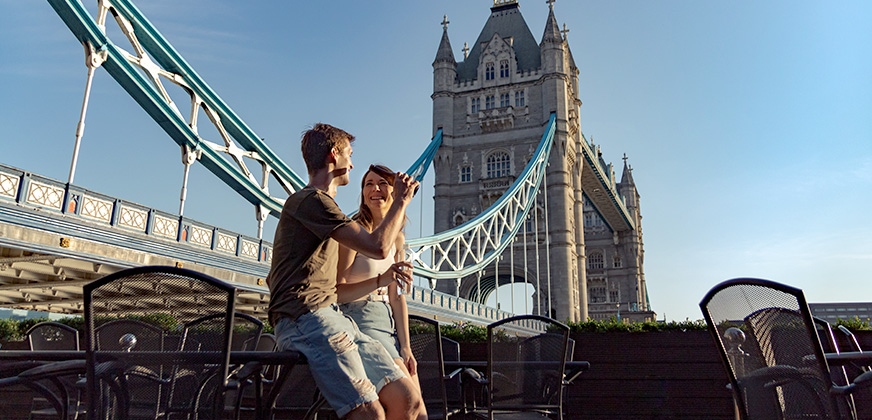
(378, 243)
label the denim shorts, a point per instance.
(349, 367)
(375, 319)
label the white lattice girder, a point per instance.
(479, 241)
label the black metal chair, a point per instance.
(855, 345)
(453, 385)
(295, 396)
(426, 342)
(195, 373)
(772, 352)
(47, 336)
(525, 368)
(838, 374)
(250, 396)
(145, 386)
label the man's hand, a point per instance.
(405, 187)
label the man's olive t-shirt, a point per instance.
(302, 277)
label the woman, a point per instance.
(382, 314)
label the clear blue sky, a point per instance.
(748, 123)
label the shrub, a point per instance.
(9, 330)
(855, 324)
(614, 325)
(464, 332)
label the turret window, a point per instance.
(474, 105)
(616, 261)
(504, 68)
(519, 99)
(489, 102)
(465, 174)
(504, 100)
(489, 71)
(498, 164)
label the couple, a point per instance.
(321, 258)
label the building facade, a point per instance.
(846, 311)
(492, 108)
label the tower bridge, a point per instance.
(521, 196)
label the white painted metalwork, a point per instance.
(97, 209)
(45, 195)
(8, 185)
(132, 218)
(166, 227)
(473, 245)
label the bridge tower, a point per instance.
(493, 107)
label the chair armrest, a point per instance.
(572, 374)
(860, 382)
(474, 375)
(245, 375)
(453, 374)
(54, 369)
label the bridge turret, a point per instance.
(444, 66)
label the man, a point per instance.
(355, 373)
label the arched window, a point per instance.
(489, 71)
(616, 260)
(498, 164)
(595, 261)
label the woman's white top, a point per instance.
(364, 268)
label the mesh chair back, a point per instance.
(425, 339)
(52, 335)
(525, 365)
(297, 394)
(771, 349)
(267, 342)
(146, 395)
(203, 305)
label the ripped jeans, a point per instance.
(349, 367)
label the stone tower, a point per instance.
(493, 108)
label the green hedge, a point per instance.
(463, 332)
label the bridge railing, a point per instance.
(69, 200)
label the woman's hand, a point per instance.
(401, 272)
(409, 360)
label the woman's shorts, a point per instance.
(375, 319)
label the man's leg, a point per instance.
(327, 339)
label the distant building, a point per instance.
(832, 312)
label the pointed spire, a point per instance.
(552, 29)
(627, 175)
(444, 54)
